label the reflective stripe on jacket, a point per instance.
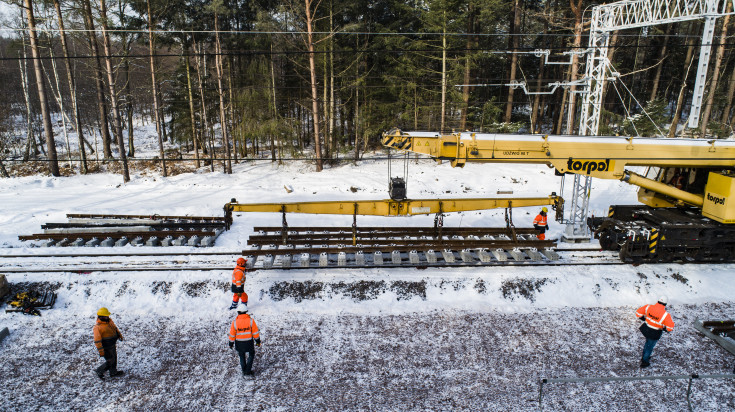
(243, 328)
(106, 334)
(540, 220)
(657, 317)
(238, 276)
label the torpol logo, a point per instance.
(716, 200)
(588, 166)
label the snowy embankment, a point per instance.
(403, 339)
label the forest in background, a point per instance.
(228, 80)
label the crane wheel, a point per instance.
(608, 240)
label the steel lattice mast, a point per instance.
(627, 15)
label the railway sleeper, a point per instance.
(275, 258)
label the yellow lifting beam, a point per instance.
(388, 207)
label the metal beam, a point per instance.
(390, 207)
(726, 344)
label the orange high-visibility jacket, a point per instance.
(238, 276)
(656, 317)
(244, 328)
(105, 335)
(540, 220)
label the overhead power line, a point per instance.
(346, 51)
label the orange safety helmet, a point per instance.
(241, 261)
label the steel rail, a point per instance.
(233, 253)
(103, 235)
(153, 216)
(422, 244)
(387, 265)
(396, 230)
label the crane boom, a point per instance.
(598, 157)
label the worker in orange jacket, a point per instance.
(541, 224)
(106, 334)
(243, 332)
(238, 283)
(656, 320)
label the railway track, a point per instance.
(223, 261)
(92, 230)
(287, 248)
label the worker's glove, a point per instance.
(102, 352)
(232, 345)
(643, 318)
(257, 342)
(547, 227)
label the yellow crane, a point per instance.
(688, 185)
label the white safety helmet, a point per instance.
(242, 307)
(663, 300)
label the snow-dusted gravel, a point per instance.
(334, 342)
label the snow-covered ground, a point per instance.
(346, 339)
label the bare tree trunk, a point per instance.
(682, 90)
(275, 110)
(467, 67)
(325, 108)
(560, 118)
(56, 93)
(573, 73)
(357, 104)
(275, 105)
(312, 72)
(31, 138)
(129, 105)
(231, 110)
(3, 171)
(514, 44)
(730, 95)
(102, 106)
(222, 108)
(716, 72)
(444, 75)
(113, 93)
(203, 69)
(537, 98)
(332, 137)
(53, 162)
(191, 111)
(126, 45)
(659, 69)
(154, 86)
(72, 89)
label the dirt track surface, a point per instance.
(422, 361)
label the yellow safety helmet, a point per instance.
(544, 209)
(103, 312)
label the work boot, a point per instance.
(100, 375)
(233, 306)
(117, 373)
(645, 364)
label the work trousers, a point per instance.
(242, 297)
(110, 363)
(648, 349)
(246, 362)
